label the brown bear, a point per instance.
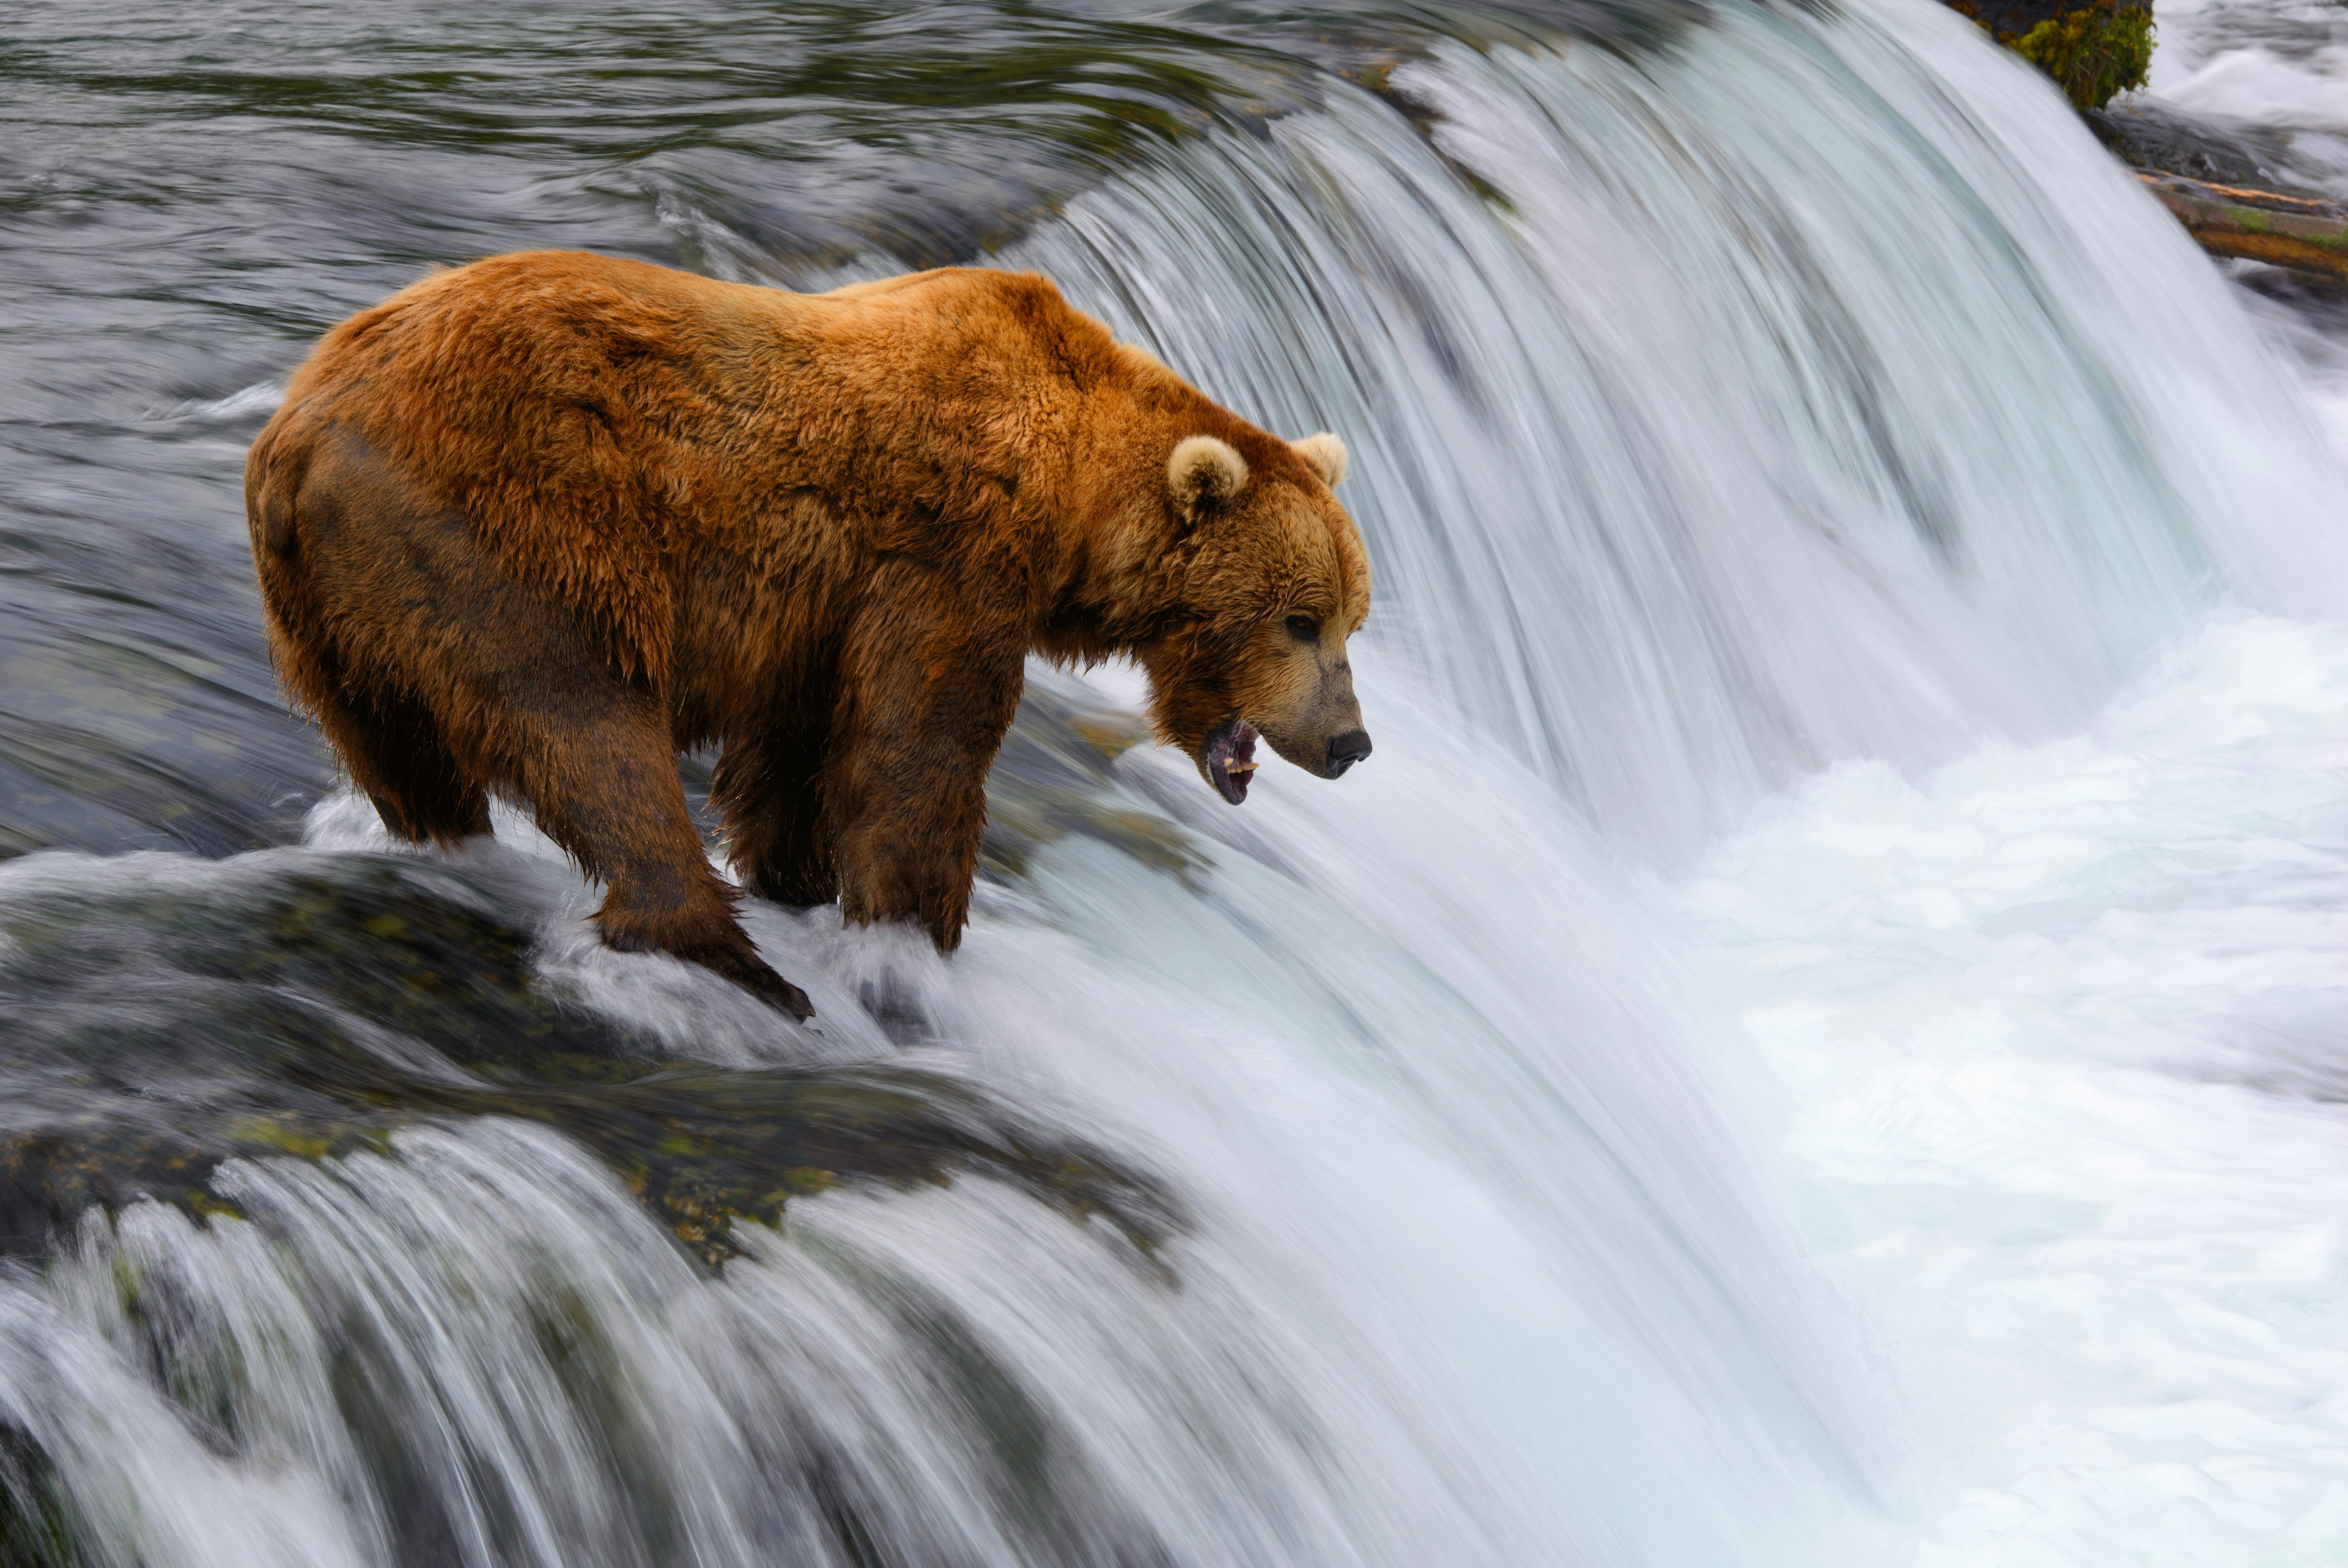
(534, 525)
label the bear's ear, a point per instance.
(1325, 455)
(1203, 473)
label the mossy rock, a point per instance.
(35, 1522)
(2093, 52)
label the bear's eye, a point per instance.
(1304, 629)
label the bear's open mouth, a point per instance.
(1230, 760)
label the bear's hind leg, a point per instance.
(526, 701)
(600, 769)
(392, 750)
(766, 787)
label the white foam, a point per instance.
(262, 396)
(2266, 87)
(2063, 1029)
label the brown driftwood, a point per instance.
(2261, 225)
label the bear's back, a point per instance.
(597, 419)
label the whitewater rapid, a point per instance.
(2058, 1030)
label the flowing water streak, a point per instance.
(1735, 410)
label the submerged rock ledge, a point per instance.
(163, 1030)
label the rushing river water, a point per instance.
(1815, 1041)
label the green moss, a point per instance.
(2094, 53)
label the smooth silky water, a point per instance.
(1814, 1039)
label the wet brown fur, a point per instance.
(532, 526)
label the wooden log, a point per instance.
(2258, 225)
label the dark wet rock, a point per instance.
(155, 1032)
(36, 1525)
(2320, 301)
(1052, 779)
(2160, 138)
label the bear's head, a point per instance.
(1270, 579)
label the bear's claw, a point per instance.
(754, 975)
(777, 992)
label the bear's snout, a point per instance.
(1345, 750)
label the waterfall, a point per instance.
(1364, 1177)
(1810, 391)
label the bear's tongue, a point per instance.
(1230, 761)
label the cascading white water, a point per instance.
(1810, 389)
